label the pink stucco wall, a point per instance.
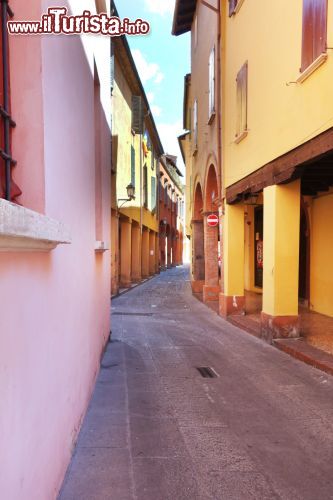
(55, 307)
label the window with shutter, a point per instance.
(132, 166)
(242, 85)
(145, 186)
(165, 194)
(232, 7)
(211, 84)
(314, 31)
(137, 114)
(153, 193)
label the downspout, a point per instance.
(219, 96)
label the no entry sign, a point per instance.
(212, 220)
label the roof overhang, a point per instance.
(183, 16)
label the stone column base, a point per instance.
(210, 293)
(197, 286)
(233, 305)
(279, 327)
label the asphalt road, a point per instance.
(157, 430)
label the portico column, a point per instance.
(232, 300)
(211, 288)
(145, 253)
(126, 252)
(169, 246)
(157, 257)
(279, 317)
(114, 252)
(151, 253)
(136, 253)
(198, 256)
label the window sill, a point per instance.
(211, 118)
(241, 136)
(313, 66)
(22, 229)
(101, 247)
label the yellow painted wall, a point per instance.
(268, 34)
(124, 139)
(321, 274)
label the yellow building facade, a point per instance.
(135, 168)
(277, 129)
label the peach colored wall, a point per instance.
(55, 307)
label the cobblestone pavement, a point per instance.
(157, 430)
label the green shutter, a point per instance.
(153, 193)
(132, 166)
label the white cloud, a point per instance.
(169, 133)
(147, 71)
(156, 110)
(159, 77)
(150, 97)
(161, 7)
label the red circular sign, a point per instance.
(212, 220)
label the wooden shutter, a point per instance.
(132, 166)
(314, 36)
(153, 193)
(137, 114)
(112, 66)
(320, 27)
(195, 124)
(212, 82)
(242, 85)
(232, 7)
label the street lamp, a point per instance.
(130, 194)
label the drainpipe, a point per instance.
(219, 96)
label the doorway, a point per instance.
(304, 257)
(258, 246)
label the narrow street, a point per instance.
(157, 430)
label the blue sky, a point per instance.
(162, 61)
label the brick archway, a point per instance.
(198, 254)
(211, 288)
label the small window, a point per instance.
(242, 85)
(133, 166)
(195, 125)
(166, 194)
(314, 31)
(212, 84)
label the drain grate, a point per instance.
(131, 314)
(207, 372)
